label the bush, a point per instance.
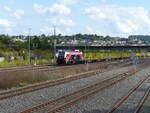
(23, 84)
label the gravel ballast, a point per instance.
(146, 106)
(131, 104)
(104, 100)
(22, 102)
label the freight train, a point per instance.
(74, 57)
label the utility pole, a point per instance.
(54, 43)
(29, 30)
(85, 52)
(86, 47)
(87, 65)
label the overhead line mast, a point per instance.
(29, 45)
(54, 43)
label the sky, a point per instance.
(103, 17)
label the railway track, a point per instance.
(49, 67)
(16, 92)
(60, 103)
(16, 68)
(30, 68)
(143, 100)
(45, 67)
(39, 68)
(133, 90)
(23, 67)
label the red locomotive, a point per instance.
(69, 57)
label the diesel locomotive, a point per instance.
(69, 57)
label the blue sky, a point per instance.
(102, 17)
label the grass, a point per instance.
(14, 63)
(23, 84)
(23, 62)
(21, 79)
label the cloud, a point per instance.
(46, 30)
(49, 30)
(55, 9)
(6, 8)
(61, 21)
(39, 8)
(68, 2)
(121, 19)
(8, 30)
(127, 27)
(92, 30)
(18, 14)
(64, 31)
(6, 23)
(57, 14)
(89, 29)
